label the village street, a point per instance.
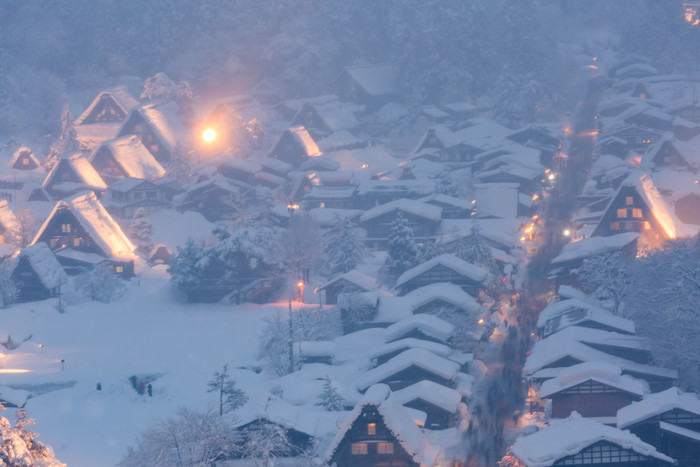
(498, 405)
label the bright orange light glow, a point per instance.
(13, 370)
(535, 197)
(529, 228)
(522, 239)
(300, 284)
(535, 217)
(481, 321)
(209, 135)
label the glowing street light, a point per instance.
(209, 135)
(550, 177)
(567, 232)
(300, 291)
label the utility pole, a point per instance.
(291, 339)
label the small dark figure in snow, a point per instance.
(99, 386)
(63, 364)
(150, 390)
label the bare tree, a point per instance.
(230, 398)
(265, 442)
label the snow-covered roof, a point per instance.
(449, 261)
(440, 198)
(96, 221)
(601, 372)
(7, 218)
(81, 167)
(572, 435)
(427, 324)
(132, 156)
(275, 165)
(431, 392)
(587, 247)
(302, 136)
(549, 351)
(445, 291)
(397, 420)
(163, 119)
(496, 199)
(44, 263)
(125, 184)
(412, 357)
(559, 315)
(79, 256)
(356, 277)
(120, 95)
(376, 80)
(336, 114)
(410, 343)
(276, 410)
(593, 336)
(679, 430)
(427, 211)
(657, 404)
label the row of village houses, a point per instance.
(590, 375)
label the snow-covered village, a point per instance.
(430, 233)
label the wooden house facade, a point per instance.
(638, 207)
(110, 106)
(72, 173)
(82, 224)
(125, 196)
(349, 282)
(423, 219)
(24, 159)
(380, 432)
(670, 421)
(37, 273)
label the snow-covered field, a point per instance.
(146, 332)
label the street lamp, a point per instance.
(209, 135)
(300, 291)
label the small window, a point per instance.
(119, 269)
(77, 241)
(359, 448)
(154, 148)
(323, 205)
(53, 242)
(629, 200)
(614, 226)
(385, 448)
(25, 161)
(647, 226)
(371, 428)
(637, 213)
(65, 228)
(621, 213)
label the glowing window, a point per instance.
(647, 226)
(385, 448)
(119, 269)
(359, 449)
(629, 200)
(621, 213)
(371, 428)
(65, 228)
(25, 161)
(323, 205)
(77, 241)
(614, 226)
(637, 213)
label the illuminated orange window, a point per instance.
(358, 449)
(621, 213)
(637, 213)
(647, 226)
(119, 269)
(65, 228)
(629, 200)
(614, 226)
(371, 428)
(385, 448)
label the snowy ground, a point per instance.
(146, 332)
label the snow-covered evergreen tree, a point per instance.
(25, 230)
(273, 345)
(19, 446)
(402, 252)
(473, 249)
(160, 86)
(190, 439)
(329, 398)
(9, 290)
(430, 249)
(185, 268)
(141, 231)
(230, 397)
(66, 142)
(344, 247)
(100, 284)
